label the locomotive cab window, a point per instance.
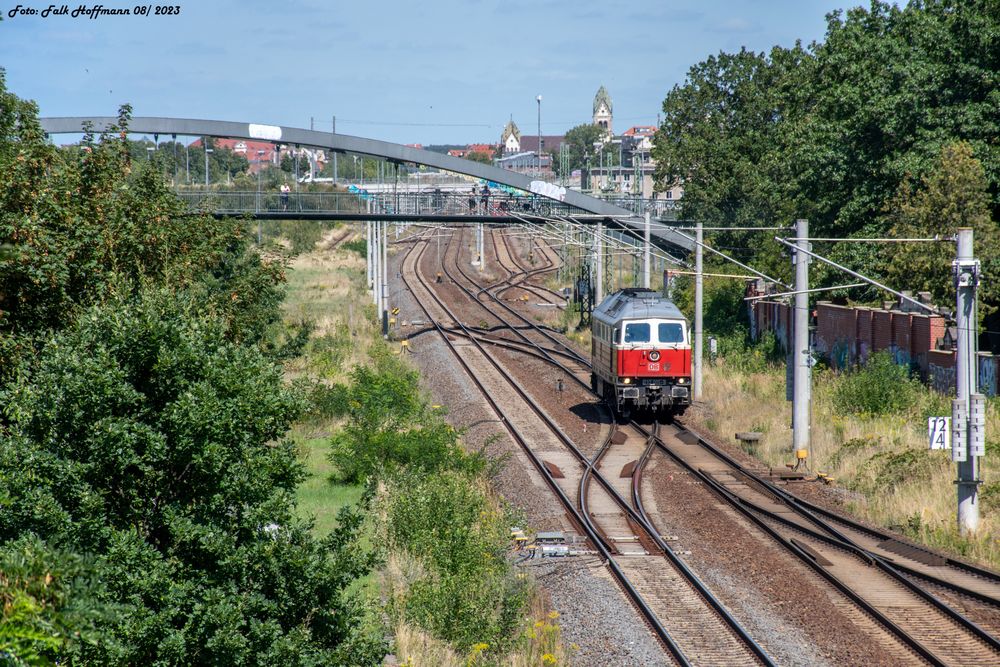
(637, 332)
(671, 332)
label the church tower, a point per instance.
(602, 110)
(510, 140)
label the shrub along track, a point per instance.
(700, 629)
(873, 568)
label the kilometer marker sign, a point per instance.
(939, 432)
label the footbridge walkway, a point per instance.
(543, 198)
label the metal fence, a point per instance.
(425, 202)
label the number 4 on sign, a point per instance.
(939, 432)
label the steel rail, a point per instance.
(591, 470)
(869, 557)
(582, 520)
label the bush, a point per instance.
(452, 523)
(881, 387)
(144, 436)
(359, 246)
(389, 425)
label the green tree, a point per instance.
(580, 142)
(389, 425)
(953, 195)
(147, 438)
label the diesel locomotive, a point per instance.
(641, 353)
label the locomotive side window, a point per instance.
(671, 332)
(637, 332)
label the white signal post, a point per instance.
(968, 413)
(801, 356)
(698, 307)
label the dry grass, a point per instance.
(889, 476)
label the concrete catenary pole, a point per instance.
(966, 371)
(801, 358)
(698, 309)
(368, 254)
(646, 254)
(376, 256)
(598, 263)
(385, 271)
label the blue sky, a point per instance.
(449, 71)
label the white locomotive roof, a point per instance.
(636, 304)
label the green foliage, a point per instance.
(389, 424)
(144, 436)
(470, 593)
(881, 387)
(953, 195)
(359, 246)
(852, 447)
(580, 141)
(840, 132)
(989, 496)
(885, 471)
(48, 603)
(85, 226)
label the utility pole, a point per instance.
(698, 307)
(376, 257)
(598, 263)
(968, 410)
(385, 280)
(646, 256)
(801, 358)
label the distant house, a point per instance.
(642, 135)
(550, 142)
(258, 153)
(485, 149)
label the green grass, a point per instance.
(317, 496)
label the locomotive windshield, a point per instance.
(671, 332)
(637, 332)
(656, 331)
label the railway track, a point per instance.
(874, 569)
(611, 525)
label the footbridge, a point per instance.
(546, 201)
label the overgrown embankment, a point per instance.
(447, 591)
(869, 432)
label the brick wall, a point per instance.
(847, 336)
(881, 330)
(941, 370)
(901, 350)
(864, 339)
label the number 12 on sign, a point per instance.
(939, 432)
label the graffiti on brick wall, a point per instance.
(899, 355)
(840, 354)
(942, 378)
(987, 375)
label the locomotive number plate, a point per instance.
(654, 367)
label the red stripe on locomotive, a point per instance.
(672, 363)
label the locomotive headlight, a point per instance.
(681, 380)
(654, 356)
(626, 380)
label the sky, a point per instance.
(423, 71)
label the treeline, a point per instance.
(146, 490)
(888, 127)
